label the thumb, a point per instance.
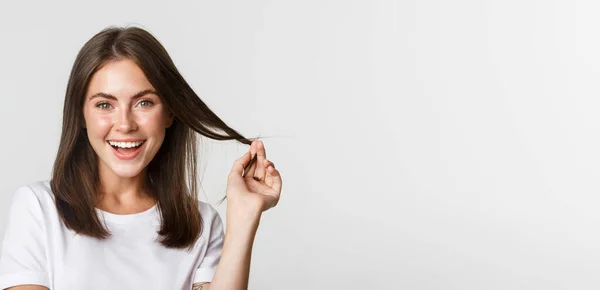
(240, 163)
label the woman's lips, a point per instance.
(128, 155)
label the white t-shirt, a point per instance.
(39, 249)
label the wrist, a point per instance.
(242, 220)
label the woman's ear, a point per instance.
(170, 119)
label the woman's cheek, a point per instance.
(149, 122)
(103, 124)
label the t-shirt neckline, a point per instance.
(127, 218)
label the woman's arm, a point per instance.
(249, 194)
(201, 286)
(234, 266)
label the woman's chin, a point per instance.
(128, 174)
(126, 171)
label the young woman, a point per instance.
(121, 210)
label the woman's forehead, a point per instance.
(123, 78)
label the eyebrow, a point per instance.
(136, 96)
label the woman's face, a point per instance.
(125, 119)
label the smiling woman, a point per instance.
(121, 210)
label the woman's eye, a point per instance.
(103, 106)
(146, 103)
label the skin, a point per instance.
(124, 117)
(119, 118)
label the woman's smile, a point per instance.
(126, 150)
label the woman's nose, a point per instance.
(126, 121)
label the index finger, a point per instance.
(249, 165)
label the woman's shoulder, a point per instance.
(207, 210)
(34, 194)
(210, 216)
(32, 205)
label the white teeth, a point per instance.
(125, 144)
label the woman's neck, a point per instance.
(123, 195)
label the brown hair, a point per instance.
(75, 173)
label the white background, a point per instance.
(423, 144)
